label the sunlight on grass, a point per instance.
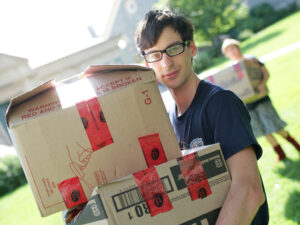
(19, 208)
(274, 37)
(282, 181)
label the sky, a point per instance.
(45, 30)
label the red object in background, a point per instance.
(211, 79)
(153, 191)
(239, 71)
(194, 176)
(72, 192)
(94, 123)
(153, 150)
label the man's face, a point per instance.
(172, 71)
(233, 52)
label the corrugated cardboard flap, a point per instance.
(92, 69)
(25, 96)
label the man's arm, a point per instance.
(262, 86)
(245, 195)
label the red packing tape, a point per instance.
(194, 176)
(94, 123)
(72, 192)
(153, 150)
(239, 71)
(153, 191)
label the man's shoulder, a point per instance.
(210, 89)
(252, 57)
(217, 93)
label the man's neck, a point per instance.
(184, 95)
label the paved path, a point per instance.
(280, 52)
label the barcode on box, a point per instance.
(132, 197)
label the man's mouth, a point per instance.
(171, 75)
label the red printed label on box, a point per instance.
(152, 149)
(211, 79)
(94, 123)
(72, 192)
(194, 176)
(239, 71)
(153, 191)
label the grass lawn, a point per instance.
(19, 208)
(282, 181)
(274, 37)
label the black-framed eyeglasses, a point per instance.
(171, 51)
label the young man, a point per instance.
(264, 119)
(205, 113)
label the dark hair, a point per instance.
(150, 29)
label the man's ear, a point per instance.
(193, 48)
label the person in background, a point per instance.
(265, 120)
(204, 113)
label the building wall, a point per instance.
(106, 52)
(14, 75)
(129, 13)
(4, 136)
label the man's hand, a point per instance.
(262, 89)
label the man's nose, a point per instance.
(166, 60)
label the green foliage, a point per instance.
(204, 59)
(11, 174)
(281, 13)
(245, 34)
(262, 16)
(213, 18)
(210, 17)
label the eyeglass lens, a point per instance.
(170, 51)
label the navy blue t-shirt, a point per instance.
(217, 115)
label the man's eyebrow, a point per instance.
(174, 43)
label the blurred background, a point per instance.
(43, 40)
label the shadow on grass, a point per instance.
(290, 170)
(292, 207)
(263, 39)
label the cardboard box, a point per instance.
(242, 78)
(68, 142)
(123, 202)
